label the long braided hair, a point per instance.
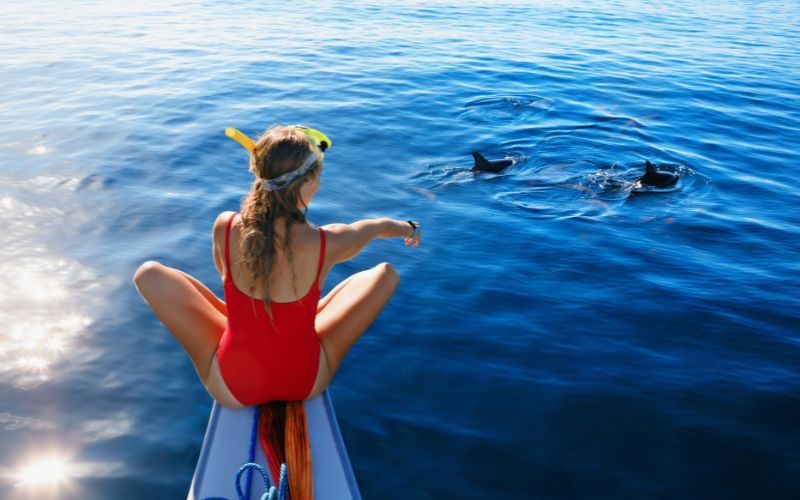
(279, 150)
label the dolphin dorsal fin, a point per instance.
(650, 169)
(480, 161)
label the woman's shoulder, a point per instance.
(220, 223)
(218, 238)
(223, 218)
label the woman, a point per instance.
(255, 346)
(274, 253)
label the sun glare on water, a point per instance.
(39, 150)
(56, 473)
(48, 471)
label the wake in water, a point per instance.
(440, 174)
(567, 190)
(545, 188)
(586, 189)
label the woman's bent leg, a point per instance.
(215, 301)
(185, 310)
(348, 314)
(324, 301)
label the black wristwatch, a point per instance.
(415, 226)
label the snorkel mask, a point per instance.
(319, 143)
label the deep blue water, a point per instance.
(557, 335)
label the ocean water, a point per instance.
(558, 334)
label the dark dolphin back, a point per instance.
(481, 163)
(653, 177)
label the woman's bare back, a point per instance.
(289, 281)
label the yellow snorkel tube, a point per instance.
(315, 137)
(242, 139)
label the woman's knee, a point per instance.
(148, 275)
(388, 274)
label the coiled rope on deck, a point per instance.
(270, 491)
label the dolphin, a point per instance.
(493, 166)
(656, 178)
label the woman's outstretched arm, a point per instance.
(345, 241)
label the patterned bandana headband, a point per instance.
(319, 143)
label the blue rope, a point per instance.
(270, 492)
(283, 482)
(252, 454)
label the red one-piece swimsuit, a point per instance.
(262, 360)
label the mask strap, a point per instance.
(282, 181)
